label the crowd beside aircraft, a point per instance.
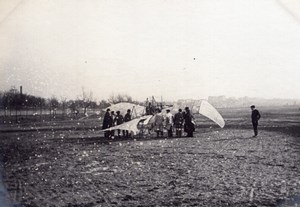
(182, 121)
(127, 119)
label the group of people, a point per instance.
(111, 119)
(181, 121)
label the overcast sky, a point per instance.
(170, 48)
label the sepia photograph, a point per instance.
(144, 103)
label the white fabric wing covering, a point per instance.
(136, 110)
(130, 125)
(147, 120)
(196, 106)
(210, 112)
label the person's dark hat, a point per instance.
(108, 109)
(180, 110)
(168, 110)
(252, 106)
(186, 108)
(128, 110)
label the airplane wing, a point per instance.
(130, 125)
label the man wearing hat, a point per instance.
(169, 123)
(127, 118)
(107, 122)
(158, 123)
(119, 120)
(255, 116)
(189, 126)
(178, 122)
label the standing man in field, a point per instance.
(127, 118)
(159, 123)
(189, 126)
(169, 123)
(255, 116)
(119, 120)
(178, 122)
(107, 122)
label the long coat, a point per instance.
(188, 122)
(255, 116)
(178, 120)
(127, 117)
(159, 122)
(107, 121)
(169, 121)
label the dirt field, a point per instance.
(71, 164)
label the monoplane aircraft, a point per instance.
(141, 120)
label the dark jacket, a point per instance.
(255, 116)
(127, 117)
(149, 110)
(119, 119)
(188, 122)
(178, 119)
(107, 121)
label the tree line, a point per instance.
(15, 100)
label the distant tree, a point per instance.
(86, 99)
(114, 99)
(103, 104)
(93, 105)
(11, 99)
(7, 100)
(39, 102)
(53, 103)
(72, 105)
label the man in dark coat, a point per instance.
(149, 109)
(178, 122)
(189, 126)
(127, 118)
(119, 120)
(107, 122)
(255, 116)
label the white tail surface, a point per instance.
(210, 112)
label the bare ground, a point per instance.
(218, 167)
